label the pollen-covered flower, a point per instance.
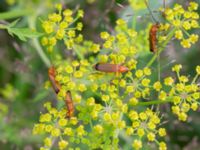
(57, 27)
(181, 21)
(145, 125)
(184, 95)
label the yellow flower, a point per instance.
(58, 7)
(55, 132)
(151, 136)
(186, 43)
(104, 35)
(48, 128)
(137, 144)
(67, 12)
(47, 26)
(193, 38)
(176, 99)
(169, 81)
(198, 70)
(194, 106)
(129, 131)
(140, 132)
(130, 88)
(45, 117)
(71, 33)
(193, 6)
(80, 13)
(81, 131)
(139, 73)
(68, 131)
(107, 117)
(62, 144)
(183, 79)
(79, 26)
(182, 116)
(68, 69)
(145, 82)
(133, 115)
(177, 68)
(60, 34)
(44, 41)
(179, 34)
(162, 132)
(162, 95)
(73, 120)
(186, 25)
(78, 74)
(54, 17)
(120, 22)
(175, 110)
(121, 124)
(135, 124)
(147, 71)
(133, 101)
(82, 87)
(98, 129)
(157, 86)
(122, 83)
(176, 23)
(105, 98)
(47, 142)
(187, 14)
(95, 48)
(107, 44)
(194, 24)
(62, 122)
(162, 146)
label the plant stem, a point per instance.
(39, 50)
(36, 44)
(155, 102)
(15, 13)
(161, 49)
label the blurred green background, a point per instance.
(23, 73)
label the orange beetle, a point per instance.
(52, 74)
(109, 68)
(69, 104)
(153, 38)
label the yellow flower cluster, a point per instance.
(71, 77)
(58, 27)
(181, 21)
(54, 124)
(146, 126)
(120, 48)
(184, 95)
(102, 100)
(138, 85)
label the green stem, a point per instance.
(195, 78)
(15, 13)
(39, 50)
(36, 44)
(156, 102)
(161, 49)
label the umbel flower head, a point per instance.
(181, 21)
(58, 27)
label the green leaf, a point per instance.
(15, 13)
(24, 33)
(12, 24)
